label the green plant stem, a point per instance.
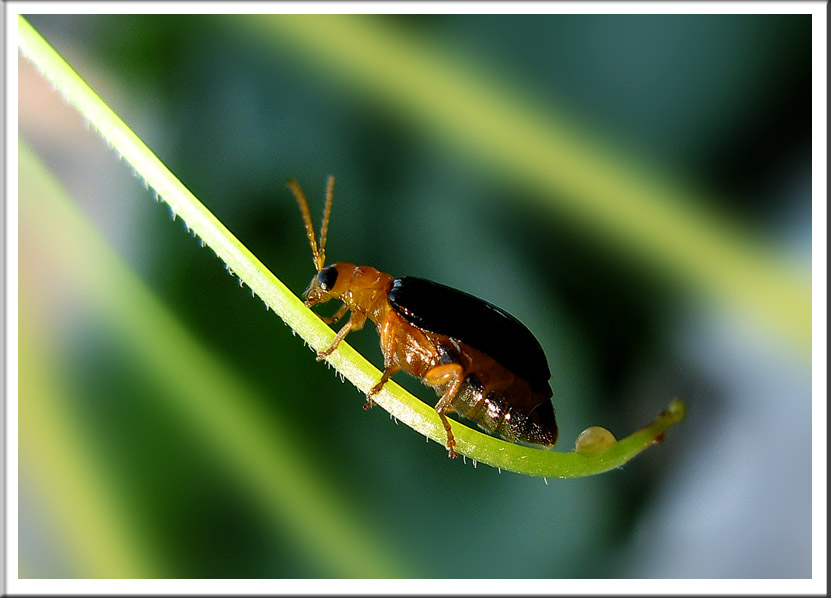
(402, 405)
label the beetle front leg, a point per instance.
(356, 322)
(451, 375)
(338, 315)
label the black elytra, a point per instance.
(496, 333)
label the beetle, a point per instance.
(483, 362)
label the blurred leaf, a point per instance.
(622, 203)
(97, 535)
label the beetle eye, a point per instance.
(326, 278)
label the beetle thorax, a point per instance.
(361, 288)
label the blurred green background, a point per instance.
(170, 426)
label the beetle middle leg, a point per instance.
(450, 375)
(356, 322)
(389, 370)
(389, 331)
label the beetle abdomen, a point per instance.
(504, 411)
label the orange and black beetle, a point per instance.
(486, 365)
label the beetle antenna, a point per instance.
(324, 227)
(317, 256)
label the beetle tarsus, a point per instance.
(388, 372)
(321, 355)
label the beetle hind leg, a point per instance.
(450, 376)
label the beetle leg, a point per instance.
(338, 315)
(356, 322)
(451, 375)
(388, 338)
(388, 371)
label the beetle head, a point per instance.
(321, 286)
(332, 282)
